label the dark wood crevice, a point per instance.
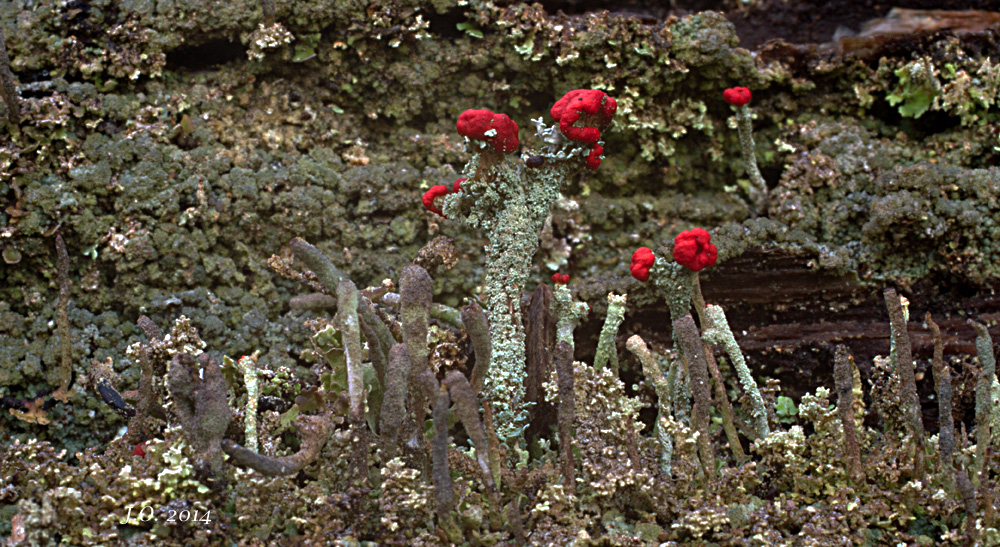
(788, 317)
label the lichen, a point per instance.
(173, 165)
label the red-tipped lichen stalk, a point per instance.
(508, 201)
(739, 97)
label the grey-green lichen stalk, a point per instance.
(508, 260)
(509, 203)
(569, 313)
(718, 332)
(248, 366)
(607, 353)
(651, 369)
(758, 188)
(987, 393)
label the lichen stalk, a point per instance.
(380, 340)
(691, 348)
(138, 425)
(725, 407)
(314, 431)
(758, 188)
(443, 488)
(844, 380)
(902, 358)
(493, 441)
(416, 292)
(508, 204)
(717, 331)
(439, 311)
(942, 385)
(327, 274)
(347, 322)
(676, 284)
(563, 360)
(987, 391)
(651, 369)
(569, 313)
(607, 353)
(968, 494)
(508, 261)
(248, 366)
(478, 329)
(199, 401)
(514, 523)
(467, 408)
(267, 10)
(680, 394)
(393, 414)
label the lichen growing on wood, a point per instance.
(172, 165)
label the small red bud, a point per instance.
(694, 250)
(737, 96)
(495, 129)
(642, 261)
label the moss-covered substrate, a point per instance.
(174, 164)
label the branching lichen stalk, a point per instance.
(508, 259)
(717, 331)
(439, 311)
(327, 274)
(509, 204)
